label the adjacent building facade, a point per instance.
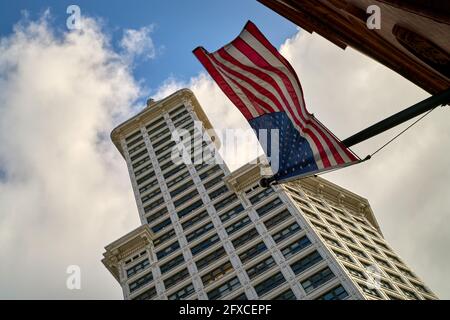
(208, 233)
(412, 38)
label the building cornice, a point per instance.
(157, 108)
(132, 242)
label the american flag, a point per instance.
(265, 88)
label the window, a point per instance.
(386, 285)
(133, 135)
(286, 295)
(138, 155)
(225, 202)
(218, 192)
(263, 194)
(154, 205)
(179, 115)
(174, 181)
(280, 217)
(311, 214)
(337, 293)
(370, 232)
(186, 198)
(381, 244)
(320, 227)
(356, 273)
(369, 247)
(231, 213)
(238, 225)
(161, 225)
(393, 258)
(269, 207)
(173, 171)
(196, 219)
(181, 188)
(357, 252)
(334, 224)
(260, 267)
(246, 237)
(369, 291)
(214, 181)
(301, 202)
(217, 273)
(142, 170)
(382, 262)
(242, 296)
(142, 161)
(166, 165)
(155, 129)
(269, 284)
(209, 172)
(145, 178)
(157, 215)
(359, 234)
(168, 250)
(251, 253)
(210, 258)
(343, 256)
(136, 148)
(148, 186)
(328, 214)
(205, 244)
(174, 111)
(224, 289)
(142, 281)
(295, 247)
(138, 267)
(190, 208)
(160, 134)
(176, 278)
(344, 237)
(132, 143)
(406, 272)
(317, 279)
(350, 224)
(395, 277)
(199, 232)
(169, 265)
(182, 293)
(155, 123)
(146, 295)
(331, 241)
(286, 232)
(305, 263)
(151, 195)
(165, 237)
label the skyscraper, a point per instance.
(208, 233)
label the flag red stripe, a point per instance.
(201, 56)
(258, 60)
(250, 27)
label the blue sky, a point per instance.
(179, 26)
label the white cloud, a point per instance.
(406, 183)
(138, 43)
(65, 191)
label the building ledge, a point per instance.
(125, 246)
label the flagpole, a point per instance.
(419, 108)
(442, 98)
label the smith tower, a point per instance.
(208, 233)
